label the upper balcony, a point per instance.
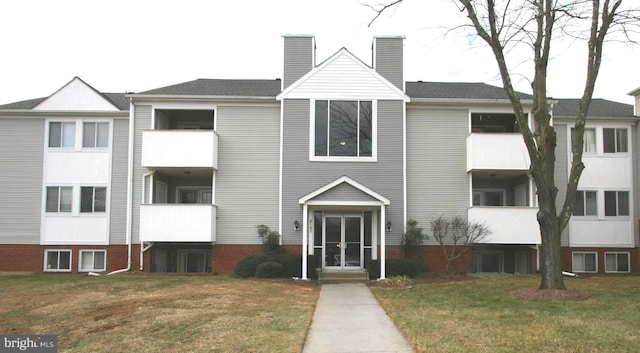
(497, 151)
(178, 223)
(508, 225)
(180, 148)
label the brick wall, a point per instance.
(30, 258)
(567, 261)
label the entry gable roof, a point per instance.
(343, 76)
(340, 181)
(77, 95)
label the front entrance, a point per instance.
(343, 236)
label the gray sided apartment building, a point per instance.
(336, 156)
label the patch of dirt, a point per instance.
(391, 282)
(548, 294)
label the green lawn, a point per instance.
(482, 316)
(136, 313)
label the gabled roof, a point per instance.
(599, 108)
(217, 87)
(117, 99)
(344, 179)
(457, 90)
(343, 76)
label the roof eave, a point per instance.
(467, 101)
(39, 113)
(149, 97)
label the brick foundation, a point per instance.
(634, 257)
(30, 258)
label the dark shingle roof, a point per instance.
(215, 87)
(457, 90)
(118, 99)
(598, 108)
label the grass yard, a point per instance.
(136, 313)
(482, 316)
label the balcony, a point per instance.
(180, 148)
(178, 223)
(496, 151)
(508, 225)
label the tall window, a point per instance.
(59, 198)
(95, 135)
(93, 260)
(586, 203)
(616, 203)
(615, 140)
(57, 260)
(343, 128)
(93, 199)
(62, 134)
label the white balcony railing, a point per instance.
(508, 225)
(180, 148)
(496, 151)
(178, 223)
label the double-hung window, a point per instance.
(62, 134)
(93, 199)
(57, 260)
(343, 129)
(586, 203)
(93, 260)
(615, 140)
(59, 199)
(616, 203)
(95, 135)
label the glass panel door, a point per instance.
(352, 242)
(343, 241)
(333, 240)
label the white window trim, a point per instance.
(598, 206)
(583, 253)
(617, 253)
(109, 137)
(80, 269)
(46, 252)
(93, 212)
(617, 216)
(77, 133)
(374, 137)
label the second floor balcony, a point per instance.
(496, 151)
(180, 148)
(508, 225)
(178, 223)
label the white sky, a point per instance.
(121, 45)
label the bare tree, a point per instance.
(505, 24)
(456, 236)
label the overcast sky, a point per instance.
(127, 45)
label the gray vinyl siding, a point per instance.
(298, 58)
(437, 178)
(389, 60)
(142, 121)
(22, 143)
(119, 165)
(301, 176)
(635, 149)
(561, 174)
(247, 179)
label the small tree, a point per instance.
(413, 236)
(456, 236)
(270, 240)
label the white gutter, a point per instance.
(129, 192)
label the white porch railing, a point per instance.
(496, 151)
(178, 223)
(508, 225)
(180, 148)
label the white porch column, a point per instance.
(305, 240)
(383, 242)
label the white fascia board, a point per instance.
(345, 179)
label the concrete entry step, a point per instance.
(343, 276)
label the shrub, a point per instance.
(269, 269)
(398, 267)
(246, 267)
(291, 264)
(413, 236)
(270, 240)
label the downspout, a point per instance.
(143, 201)
(129, 192)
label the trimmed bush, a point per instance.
(269, 270)
(247, 266)
(397, 267)
(291, 264)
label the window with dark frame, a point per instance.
(58, 260)
(343, 128)
(95, 135)
(615, 140)
(62, 134)
(586, 203)
(616, 203)
(59, 199)
(93, 199)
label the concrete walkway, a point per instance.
(348, 318)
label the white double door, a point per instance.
(343, 236)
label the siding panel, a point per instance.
(119, 164)
(389, 59)
(22, 140)
(561, 174)
(142, 121)
(298, 58)
(437, 181)
(247, 180)
(301, 176)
